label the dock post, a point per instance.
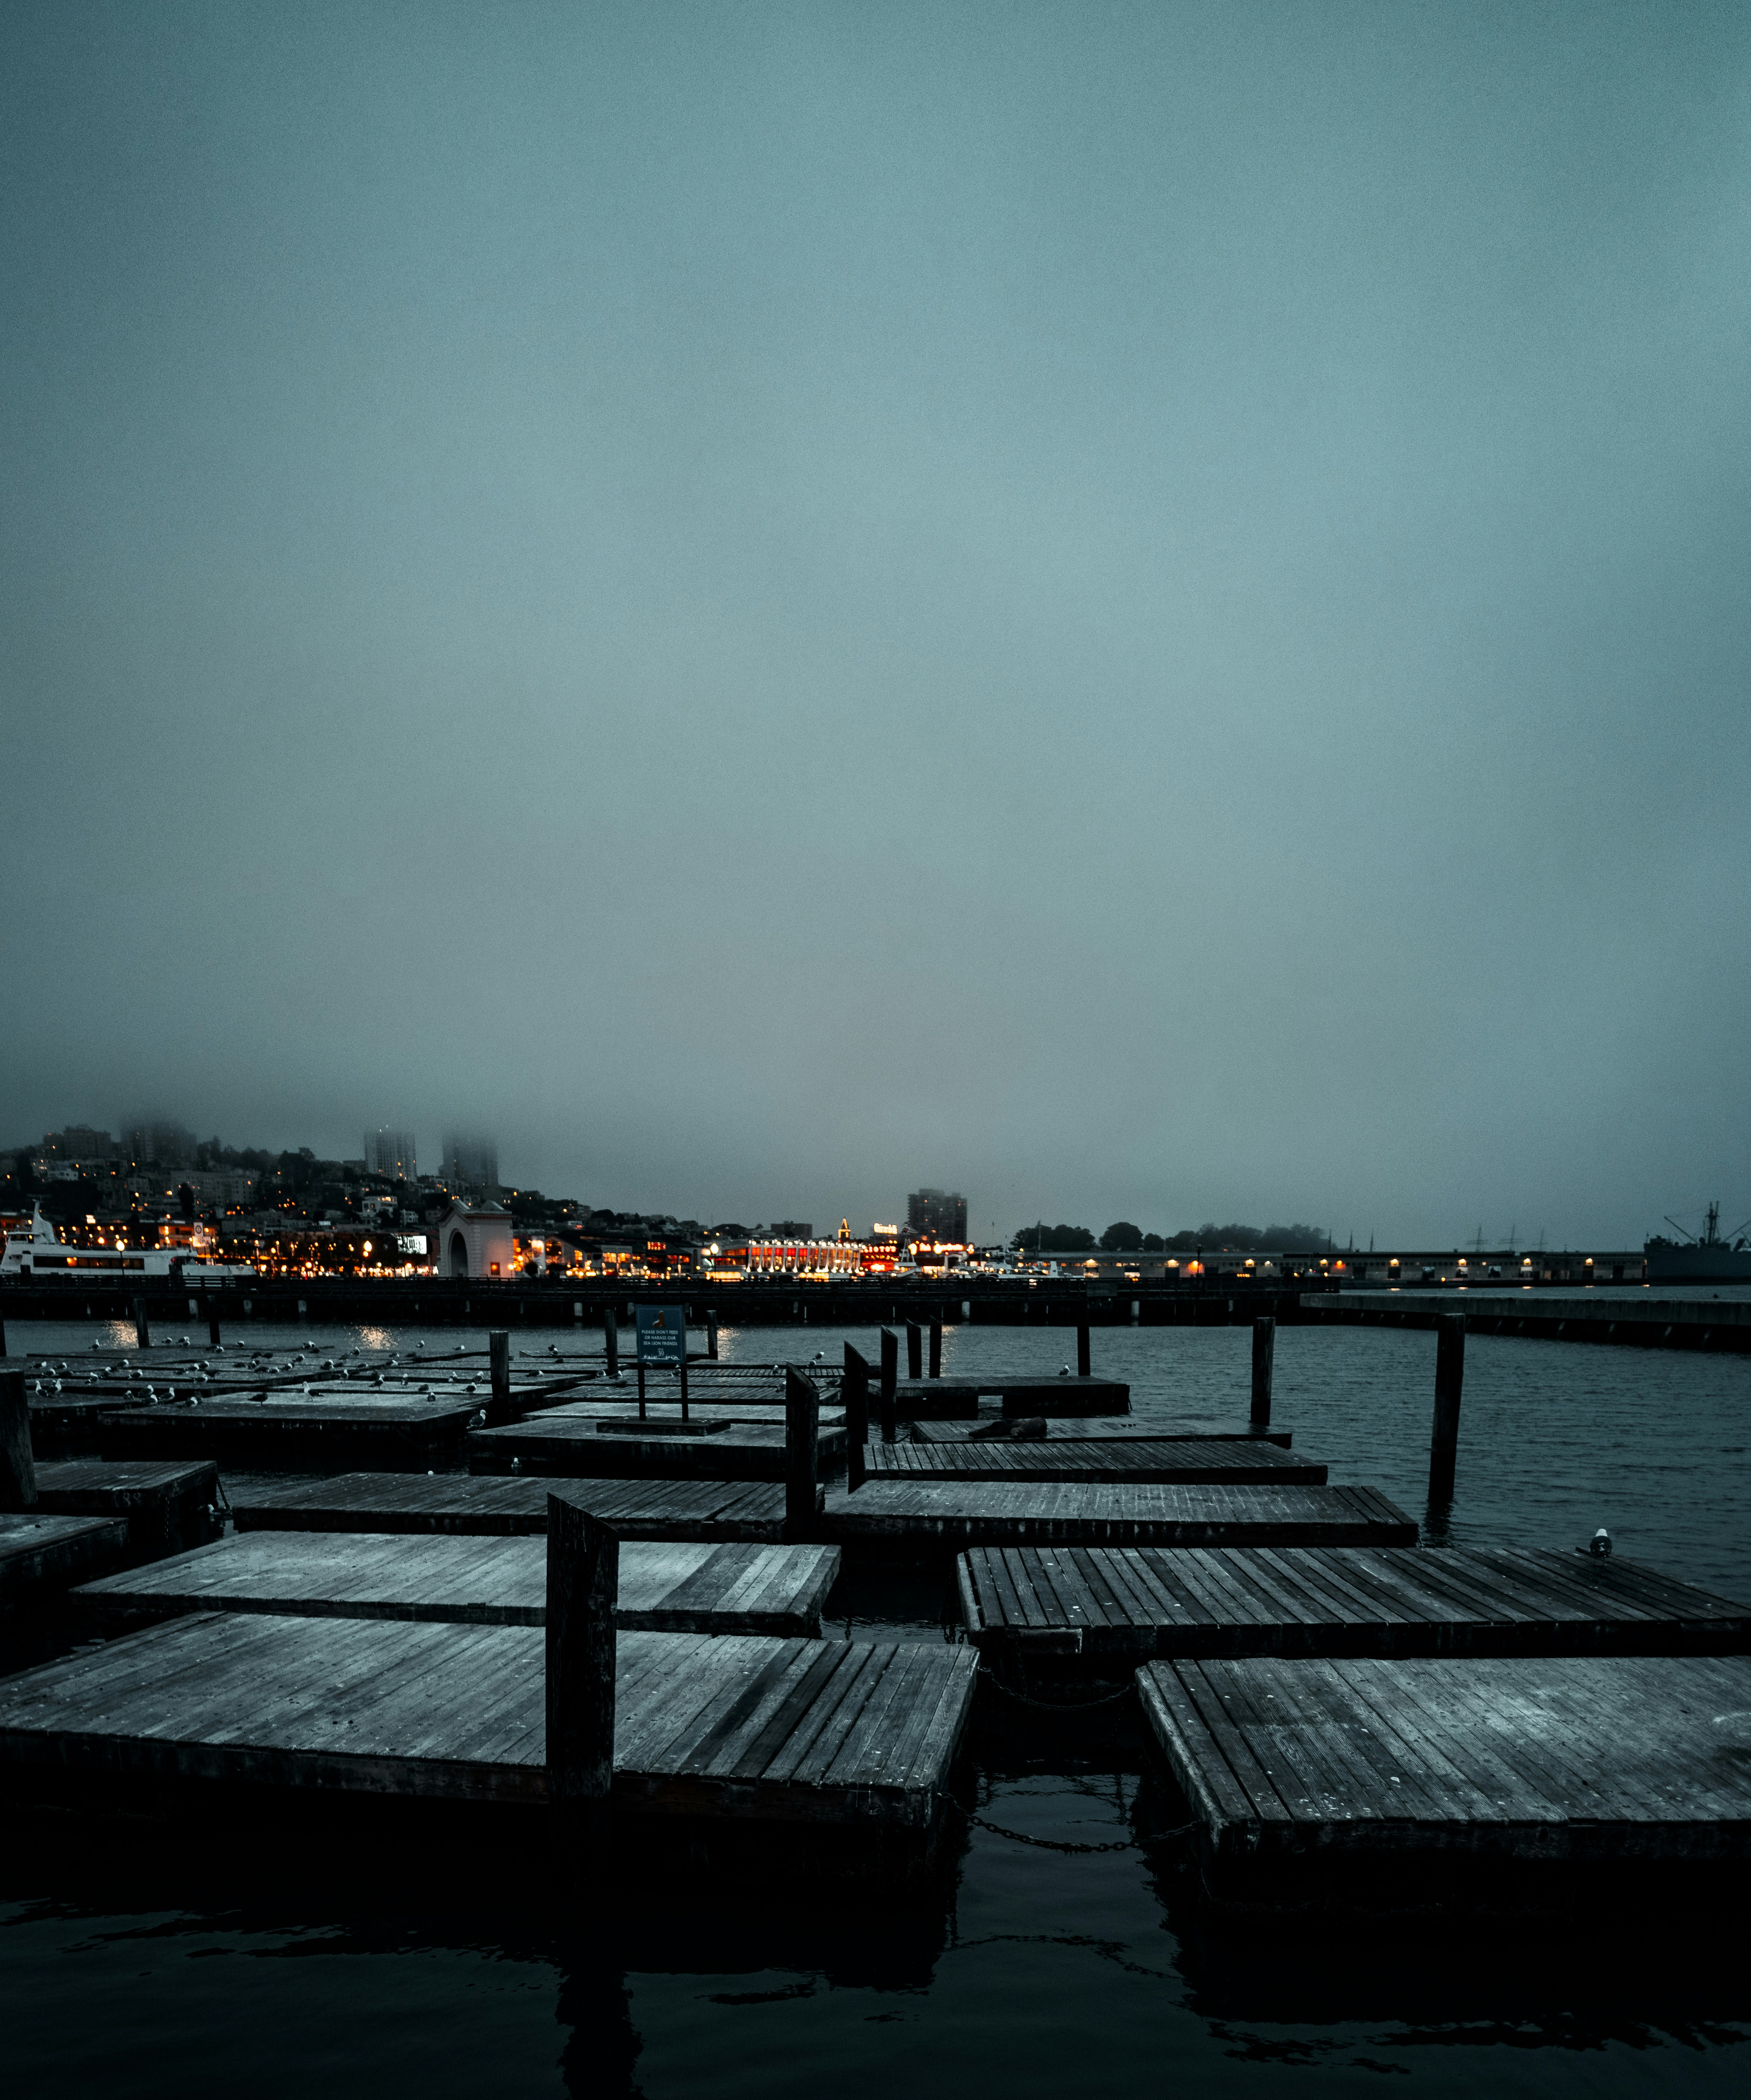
(1449, 1378)
(936, 1348)
(711, 1336)
(18, 1467)
(1081, 1349)
(583, 1586)
(890, 1380)
(610, 1337)
(802, 1435)
(1263, 1349)
(2, 1336)
(857, 1391)
(142, 1329)
(213, 1326)
(498, 1352)
(915, 1350)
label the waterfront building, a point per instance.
(935, 1215)
(475, 1239)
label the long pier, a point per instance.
(1651, 1321)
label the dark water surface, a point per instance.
(212, 1962)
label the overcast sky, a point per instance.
(1142, 612)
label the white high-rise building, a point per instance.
(390, 1152)
(470, 1161)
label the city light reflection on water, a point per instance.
(148, 1967)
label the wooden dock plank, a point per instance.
(575, 1448)
(1563, 1759)
(513, 1506)
(167, 1507)
(396, 1434)
(1226, 1461)
(42, 1555)
(935, 1515)
(1337, 1601)
(665, 1586)
(451, 1711)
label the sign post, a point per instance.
(662, 1331)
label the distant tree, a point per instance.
(1154, 1243)
(1054, 1239)
(1121, 1239)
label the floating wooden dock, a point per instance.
(40, 1555)
(1311, 1779)
(734, 1728)
(664, 1587)
(1131, 1428)
(1105, 1609)
(956, 1400)
(575, 1447)
(938, 1516)
(166, 1508)
(707, 1510)
(394, 1433)
(1232, 1461)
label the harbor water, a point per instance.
(151, 1962)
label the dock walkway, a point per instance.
(1110, 1608)
(935, 1517)
(664, 1587)
(708, 1511)
(1232, 1462)
(736, 1727)
(399, 1434)
(1298, 1772)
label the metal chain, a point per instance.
(1054, 1706)
(1052, 1844)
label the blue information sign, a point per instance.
(662, 1334)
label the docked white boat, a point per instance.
(39, 1250)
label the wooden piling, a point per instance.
(142, 1329)
(1449, 1378)
(1081, 1349)
(583, 1586)
(802, 1430)
(915, 1350)
(213, 1324)
(610, 1337)
(890, 1385)
(499, 1414)
(1263, 1349)
(711, 1336)
(856, 1394)
(936, 1348)
(18, 1468)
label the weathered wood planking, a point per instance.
(954, 1399)
(395, 1435)
(41, 1554)
(167, 1508)
(576, 1448)
(704, 1510)
(1120, 1606)
(1232, 1461)
(734, 1726)
(1176, 1429)
(1300, 1770)
(952, 1516)
(765, 1412)
(666, 1586)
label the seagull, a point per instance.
(1065, 1372)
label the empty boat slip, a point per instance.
(42, 1555)
(1232, 1461)
(664, 1587)
(932, 1516)
(855, 1734)
(582, 1447)
(709, 1511)
(1300, 1773)
(1118, 1606)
